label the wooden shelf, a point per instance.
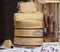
(51, 43)
(48, 1)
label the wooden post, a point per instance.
(59, 22)
(56, 23)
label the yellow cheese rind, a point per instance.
(28, 33)
(28, 41)
(28, 16)
(29, 24)
(28, 7)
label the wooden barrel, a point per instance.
(29, 24)
(28, 41)
(28, 32)
(28, 16)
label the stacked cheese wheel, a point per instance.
(28, 28)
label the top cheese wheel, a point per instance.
(27, 7)
(28, 16)
(28, 41)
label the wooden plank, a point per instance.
(29, 33)
(48, 1)
(46, 8)
(53, 9)
(59, 15)
(28, 41)
(29, 24)
(40, 7)
(56, 23)
(51, 43)
(59, 37)
(59, 22)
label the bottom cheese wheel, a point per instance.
(28, 41)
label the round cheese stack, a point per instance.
(29, 33)
(28, 41)
(28, 16)
(29, 24)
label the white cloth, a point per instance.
(44, 48)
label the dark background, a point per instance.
(7, 10)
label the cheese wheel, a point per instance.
(28, 41)
(28, 7)
(7, 43)
(28, 16)
(29, 24)
(28, 33)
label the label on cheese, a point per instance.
(38, 32)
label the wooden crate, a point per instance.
(28, 41)
(29, 24)
(28, 16)
(28, 32)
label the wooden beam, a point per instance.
(56, 23)
(48, 1)
(59, 22)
